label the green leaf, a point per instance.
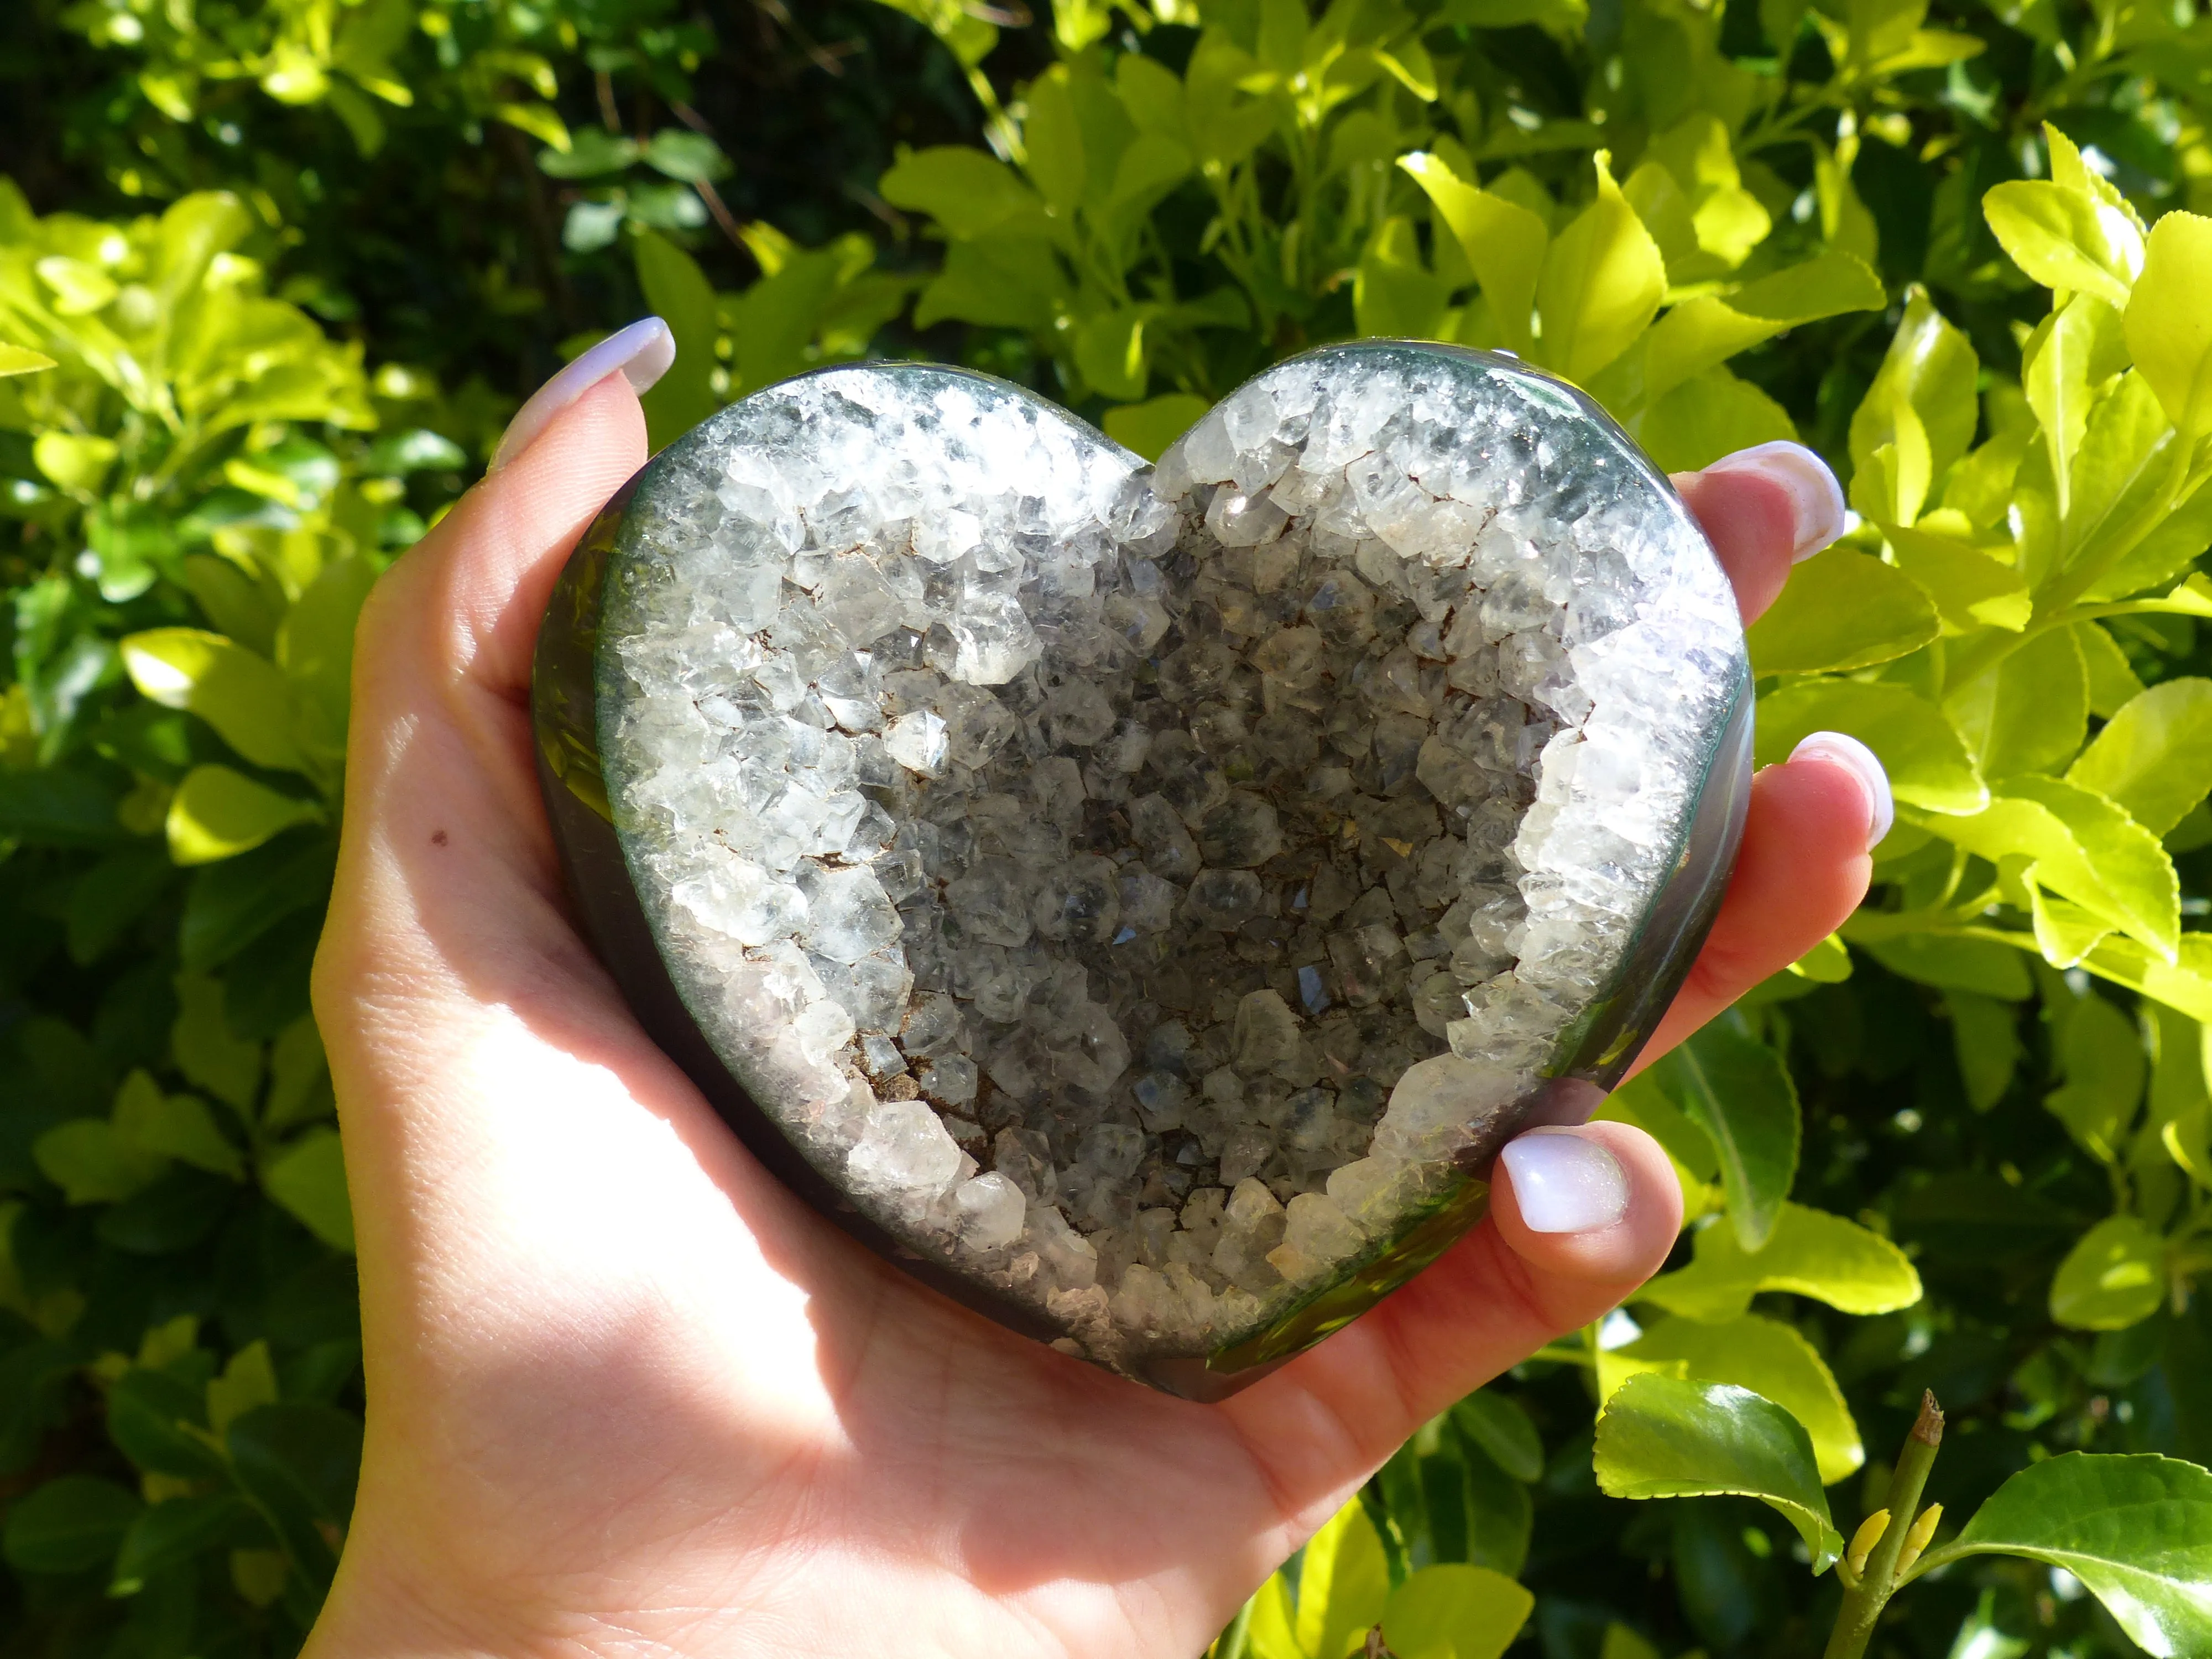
(2101, 1055)
(174, 1531)
(314, 647)
(2122, 478)
(1454, 1612)
(1000, 285)
(240, 694)
(691, 157)
(1928, 765)
(2084, 848)
(1497, 1424)
(2065, 365)
(1603, 278)
(1738, 1090)
(2153, 757)
(70, 1524)
(1952, 962)
(73, 460)
(218, 813)
(1705, 331)
(2136, 1531)
(1706, 418)
(207, 1052)
(677, 292)
(592, 152)
(1271, 1634)
(299, 1463)
(1970, 589)
(248, 1382)
(1828, 962)
(417, 449)
(1052, 137)
(2184, 983)
(299, 1074)
(541, 121)
(152, 1416)
(59, 806)
(1842, 610)
(307, 1179)
(1501, 1515)
(179, 1126)
(1811, 1253)
(231, 904)
(1985, 1038)
(1662, 1437)
(2169, 327)
(93, 1164)
(1928, 374)
(2135, 878)
(1394, 292)
(2114, 1277)
(1109, 350)
(2030, 712)
(112, 894)
(968, 38)
(1769, 1359)
(21, 359)
(1343, 1584)
(2113, 686)
(967, 191)
(1149, 426)
(2065, 238)
(1503, 243)
(2166, 552)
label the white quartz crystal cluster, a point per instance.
(1137, 886)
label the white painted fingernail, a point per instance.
(640, 354)
(1881, 811)
(1565, 1182)
(1818, 499)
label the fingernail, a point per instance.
(1881, 811)
(1565, 1182)
(641, 353)
(1814, 493)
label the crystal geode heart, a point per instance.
(1142, 900)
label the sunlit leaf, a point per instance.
(2136, 1531)
(1454, 1612)
(1842, 610)
(2169, 327)
(1811, 1252)
(1766, 1356)
(1928, 765)
(2114, 1277)
(1662, 1437)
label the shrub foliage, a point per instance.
(272, 273)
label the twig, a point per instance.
(1863, 1603)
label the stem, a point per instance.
(1231, 1644)
(1864, 1603)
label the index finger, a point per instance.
(1765, 509)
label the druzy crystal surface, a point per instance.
(1153, 893)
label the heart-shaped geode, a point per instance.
(1142, 900)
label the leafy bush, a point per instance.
(291, 263)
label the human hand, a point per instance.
(626, 1392)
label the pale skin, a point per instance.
(627, 1394)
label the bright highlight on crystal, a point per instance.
(1154, 894)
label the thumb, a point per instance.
(1578, 1219)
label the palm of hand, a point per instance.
(625, 1390)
